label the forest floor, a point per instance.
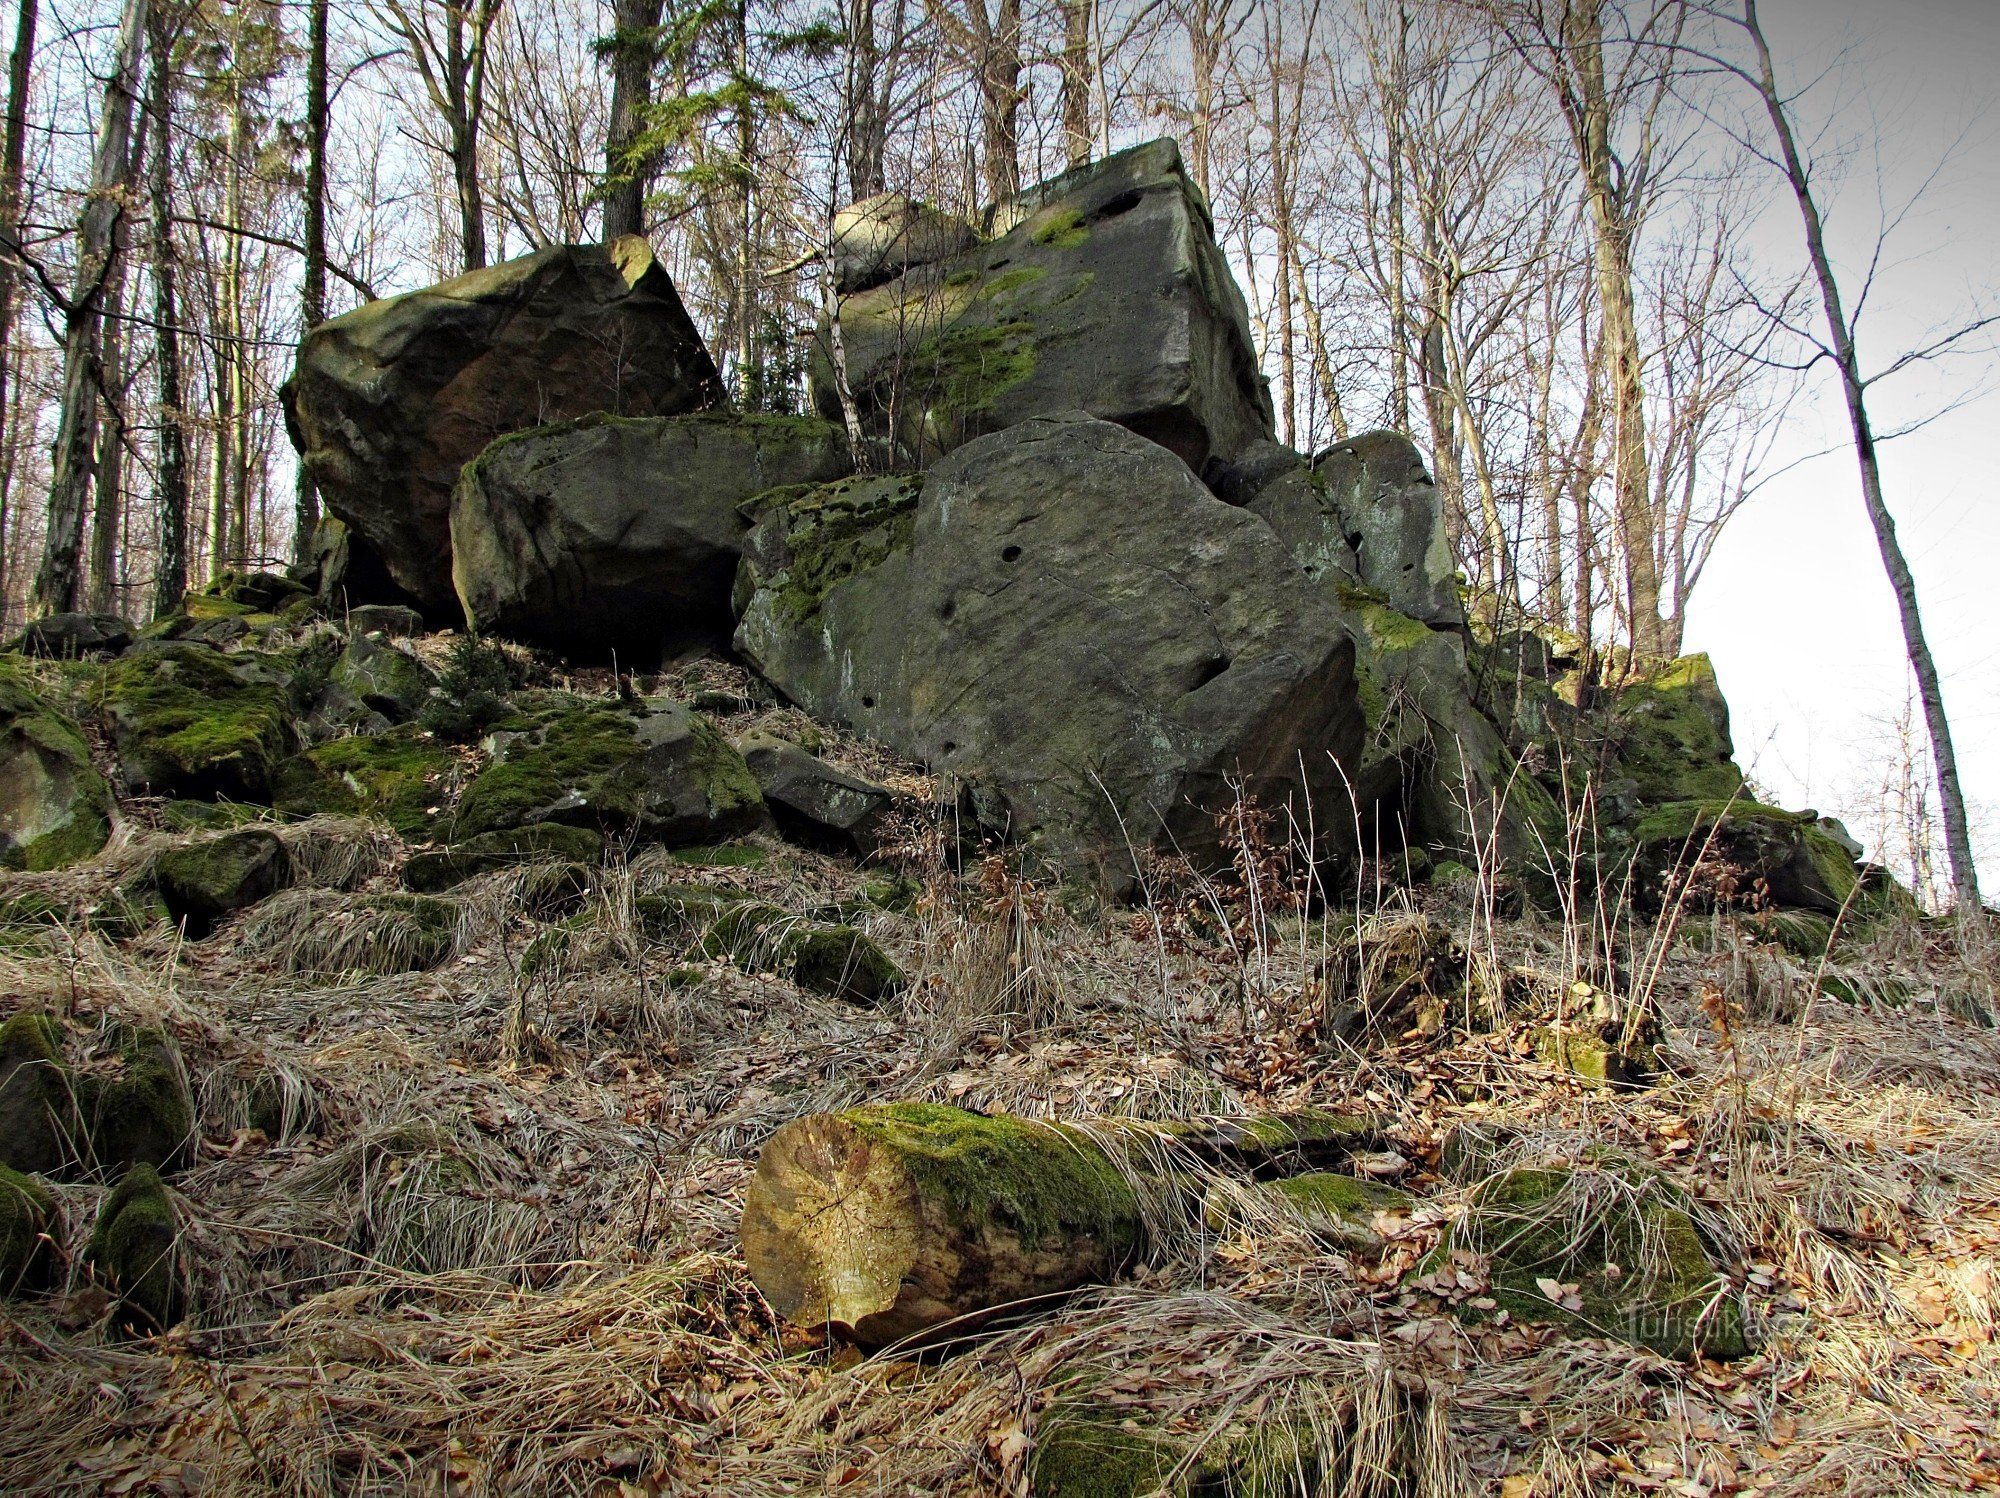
(486, 1239)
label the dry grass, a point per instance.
(459, 1227)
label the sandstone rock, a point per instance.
(1104, 292)
(1739, 852)
(392, 620)
(1066, 618)
(381, 678)
(204, 880)
(189, 721)
(132, 1250)
(54, 806)
(389, 401)
(884, 236)
(74, 636)
(622, 534)
(814, 803)
(654, 769)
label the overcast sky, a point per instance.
(1795, 609)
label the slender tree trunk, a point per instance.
(171, 500)
(1000, 102)
(627, 178)
(312, 299)
(107, 509)
(1078, 20)
(1612, 255)
(1930, 691)
(99, 236)
(867, 102)
(20, 69)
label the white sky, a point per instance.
(1794, 608)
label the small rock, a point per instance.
(538, 842)
(210, 878)
(132, 1249)
(73, 636)
(29, 1224)
(814, 803)
(390, 619)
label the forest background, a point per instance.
(1449, 218)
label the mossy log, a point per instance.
(905, 1219)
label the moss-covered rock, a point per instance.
(1607, 1248)
(374, 676)
(132, 1250)
(189, 721)
(403, 776)
(1740, 853)
(54, 806)
(41, 1124)
(145, 1115)
(838, 961)
(654, 769)
(538, 842)
(1091, 1453)
(1671, 735)
(1341, 1209)
(28, 1225)
(204, 880)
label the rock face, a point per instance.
(54, 806)
(814, 803)
(73, 636)
(884, 236)
(1103, 292)
(389, 401)
(1065, 618)
(622, 533)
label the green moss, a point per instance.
(580, 752)
(1041, 1182)
(1672, 732)
(1090, 1455)
(145, 1116)
(838, 531)
(1591, 1057)
(28, 1221)
(46, 772)
(204, 880)
(1803, 933)
(1785, 856)
(682, 912)
(187, 724)
(993, 288)
(723, 856)
(720, 775)
(1323, 1193)
(132, 1248)
(1388, 631)
(401, 776)
(1060, 228)
(965, 369)
(1619, 1233)
(40, 1122)
(842, 963)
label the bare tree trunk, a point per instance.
(627, 178)
(99, 244)
(1930, 691)
(20, 67)
(866, 102)
(1000, 100)
(171, 500)
(107, 508)
(312, 300)
(1079, 18)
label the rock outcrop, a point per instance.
(390, 400)
(621, 534)
(54, 806)
(1063, 617)
(1102, 291)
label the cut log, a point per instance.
(891, 1222)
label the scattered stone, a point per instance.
(391, 400)
(189, 721)
(133, 1250)
(538, 842)
(837, 961)
(1104, 670)
(72, 637)
(1712, 853)
(402, 775)
(29, 1229)
(1103, 292)
(54, 806)
(204, 880)
(145, 1116)
(381, 678)
(390, 619)
(41, 1129)
(620, 535)
(814, 803)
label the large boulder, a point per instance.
(70, 637)
(189, 721)
(1103, 292)
(1064, 618)
(620, 533)
(54, 806)
(389, 401)
(888, 234)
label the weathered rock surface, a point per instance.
(208, 878)
(30, 1232)
(132, 1250)
(389, 401)
(54, 806)
(1066, 618)
(74, 636)
(620, 533)
(814, 803)
(538, 842)
(375, 676)
(1104, 292)
(40, 1128)
(190, 721)
(884, 236)
(654, 769)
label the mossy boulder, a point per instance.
(1106, 673)
(189, 721)
(1341, 1209)
(54, 806)
(41, 1120)
(254, 592)
(1084, 1449)
(685, 912)
(374, 676)
(404, 776)
(1738, 852)
(145, 1114)
(1669, 731)
(28, 1225)
(815, 804)
(70, 637)
(653, 769)
(390, 401)
(208, 878)
(538, 842)
(133, 1250)
(1102, 290)
(620, 535)
(1605, 1247)
(837, 961)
